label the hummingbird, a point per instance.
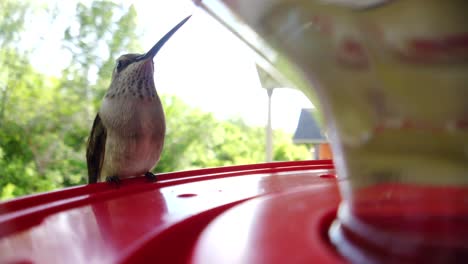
(127, 136)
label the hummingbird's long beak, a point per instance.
(154, 50)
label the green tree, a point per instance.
(189, 130)
(285, 150)
(104, 31)
(197, 140)
(44, 121)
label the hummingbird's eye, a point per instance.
(119, 65)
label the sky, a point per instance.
(203, 63)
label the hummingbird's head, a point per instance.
(137, 69)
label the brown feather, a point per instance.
(95, 150)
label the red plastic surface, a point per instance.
(391, 223)
(262, 213)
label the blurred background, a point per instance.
(56, 61)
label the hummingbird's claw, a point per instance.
(151, 176)
(115, 180)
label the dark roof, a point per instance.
(307, 130)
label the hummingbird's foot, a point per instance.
(113, 180)
(150, 176)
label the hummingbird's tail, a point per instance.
(96, 149)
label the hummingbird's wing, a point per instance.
(96, 149)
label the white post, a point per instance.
(269, 130)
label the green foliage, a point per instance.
(12, 14)
(195, 139)
(45, 121)
(284, 149)
(103, 32)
